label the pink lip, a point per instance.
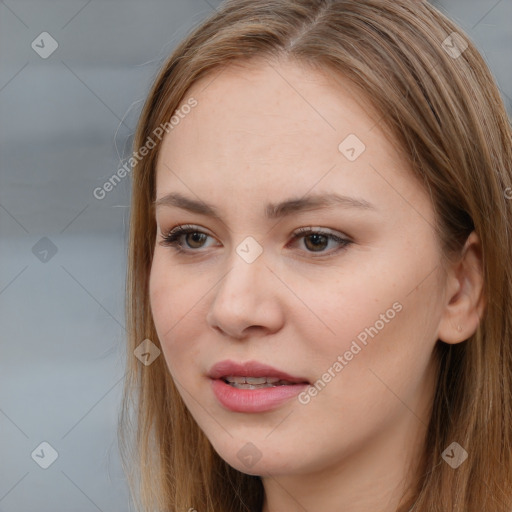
(252, 400)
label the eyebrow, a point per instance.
(272, 211)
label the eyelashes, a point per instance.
(173, 237)
(319, 237)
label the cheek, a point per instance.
(335, 312)
(378, 320)
(174, 301)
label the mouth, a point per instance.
(252, 375)
(253, 387)
(256, 382)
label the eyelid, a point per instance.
(299, 231)
(183, 227)
(318, 229)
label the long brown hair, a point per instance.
(440, 102)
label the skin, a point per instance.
(266, 131)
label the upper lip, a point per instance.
(229, 368)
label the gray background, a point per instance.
(66, 122)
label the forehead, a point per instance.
(270, 97)
(265, 127)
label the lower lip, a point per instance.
(254, 400)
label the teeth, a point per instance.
(255, 382)
(238, 380)
(251, 386)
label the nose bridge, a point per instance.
(244, 278)
(247, 264)
(244, 297)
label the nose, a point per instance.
(246, 300)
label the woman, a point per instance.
(319, 280)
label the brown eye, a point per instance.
(195, 239)
(317, 241)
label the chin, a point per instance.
(251, 461)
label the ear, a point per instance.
(464, 298)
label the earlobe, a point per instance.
(464, 297)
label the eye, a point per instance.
(174, 238)
(315, 240)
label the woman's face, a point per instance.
(351, 307)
